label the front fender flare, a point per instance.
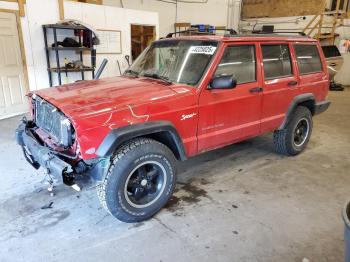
(117, 137)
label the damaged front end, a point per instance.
(48, 141)
(38, 154)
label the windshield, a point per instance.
(178, 61)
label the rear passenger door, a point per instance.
(280, 83)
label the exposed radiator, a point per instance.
(50, 119)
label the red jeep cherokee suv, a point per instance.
(181, 97)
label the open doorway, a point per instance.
(141, 37)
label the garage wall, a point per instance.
(213, 12)
(102, 17)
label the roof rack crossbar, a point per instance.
(280, 32)
(231, 32)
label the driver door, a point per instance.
(230, 115)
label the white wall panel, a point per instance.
(73, 10)
(213, 12)
(39, 12)
(8, 5)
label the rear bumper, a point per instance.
(38, 155)
(321, 107)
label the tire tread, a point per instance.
(116, 158)
(281, 137)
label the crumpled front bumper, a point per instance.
(38, 155)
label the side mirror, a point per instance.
(223, 82)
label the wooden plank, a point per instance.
(320, 26)
(96, 2)
(279, 8)
(24, 1)
(316, 25)
(182, 24)
(338, 5)
(61, 9)
(21, 8)
(334, 12)
(309, 24)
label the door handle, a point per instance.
(292, 83)
(256, 90)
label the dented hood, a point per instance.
(87, 98)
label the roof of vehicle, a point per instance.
(245, 37)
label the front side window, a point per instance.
(179, 61)
(308, 59)
(238, 61)
(277, 62)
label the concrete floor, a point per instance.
(240, 203)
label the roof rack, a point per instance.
(196, 32)
(278, 32)
(232, 33)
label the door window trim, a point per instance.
(293, 74)
(255, 59)
(319, 56)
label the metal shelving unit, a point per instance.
(57, 49)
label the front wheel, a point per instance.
(294, 138)
(140, 180)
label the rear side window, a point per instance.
(308, 59)
(238, 61)
(277, 62)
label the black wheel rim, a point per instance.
(301, 132)
(145, 184)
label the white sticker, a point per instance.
(208, 50)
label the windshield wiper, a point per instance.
(131, 72)
(156, 76)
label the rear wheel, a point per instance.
(294, 138)
(140, 180)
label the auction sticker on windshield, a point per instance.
(208, 50)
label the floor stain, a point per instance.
(188, 193)
(136, 225)
(34, 226)
(173, 203)
(194, 193)
(31, 203)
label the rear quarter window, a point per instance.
(308, 59)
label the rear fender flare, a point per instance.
(298, 100)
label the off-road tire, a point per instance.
(284, 139)
(127, 157)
